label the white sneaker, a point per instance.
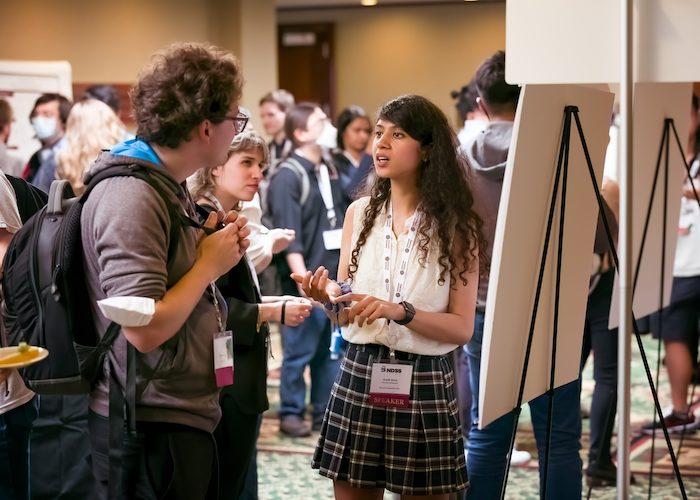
(519, 457)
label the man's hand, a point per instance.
(220, 251)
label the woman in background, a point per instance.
(91, 127)
(351, 158)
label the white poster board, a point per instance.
(578, 41)
(653, 103)
(519, 241)
(21, 83)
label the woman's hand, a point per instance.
(317, 285)
(295, 311)
(367, 309)
(280, 239)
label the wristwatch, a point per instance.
(410, 313)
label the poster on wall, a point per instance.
(21, 83)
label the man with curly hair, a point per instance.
(186, 110)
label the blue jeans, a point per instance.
(15, 429)
(307, 345)
(488, 447)
(464, 392)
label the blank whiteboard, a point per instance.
(519, 241)
(578, 41)
(21, 83)
(653, 102)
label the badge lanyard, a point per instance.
(223, 348)
(216, 306)
(401, 272)
(324, 186)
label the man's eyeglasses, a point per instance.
(239, 121)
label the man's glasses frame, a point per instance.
(239, 121)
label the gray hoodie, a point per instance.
(125, 231)
(487, 155)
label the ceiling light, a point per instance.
(368, 3)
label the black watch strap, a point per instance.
(410, 313)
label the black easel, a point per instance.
(562, 172)
(664, 150)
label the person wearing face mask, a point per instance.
(8, 163)
(305, 195)
(475, 120)
(48, 117)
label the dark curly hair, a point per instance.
(185, 85)
(446, 199)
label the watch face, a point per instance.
(410, 313)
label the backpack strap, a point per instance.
(177, 218)
(296, 167)
(30, 199)
(122, 406)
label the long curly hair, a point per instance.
(446, 198)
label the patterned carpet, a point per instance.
(285, 472)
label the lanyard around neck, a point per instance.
(324, 186)
(400, 273)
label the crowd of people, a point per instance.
(368, 242)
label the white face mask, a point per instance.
(328, 137)
(44, 127)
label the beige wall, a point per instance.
(380, 52)
(385, 52)
(109, 41)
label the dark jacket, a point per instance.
(250, 347)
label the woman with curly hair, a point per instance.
(411, 255)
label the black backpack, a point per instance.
(30, 199)
(45, 289)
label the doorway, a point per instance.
(306, 65)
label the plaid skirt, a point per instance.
(417, 450)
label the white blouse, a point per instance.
(421, 287)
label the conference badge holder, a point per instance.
(223, 349)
